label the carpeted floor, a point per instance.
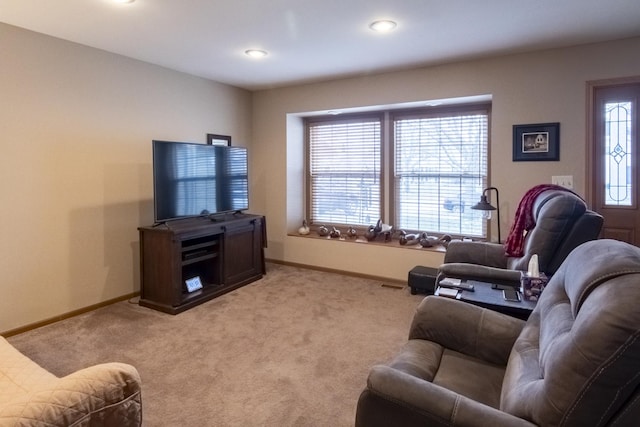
(292, 349)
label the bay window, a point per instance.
(419, 170)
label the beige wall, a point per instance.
(548, 86)
(76, 126)
(75, 170)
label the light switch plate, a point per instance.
(565, 181)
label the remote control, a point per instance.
(456, 284)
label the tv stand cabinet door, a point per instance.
(160, 270)
(243, 252)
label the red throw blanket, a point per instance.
(523, 222)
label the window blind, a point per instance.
(440, 170)
(344, 172)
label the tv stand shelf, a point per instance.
(224, 254)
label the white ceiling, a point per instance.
(314, 40)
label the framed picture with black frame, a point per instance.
(213, 139)
(536, 142)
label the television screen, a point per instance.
(197, 179)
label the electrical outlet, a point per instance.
(565, 181)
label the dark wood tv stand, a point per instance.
(225, 254)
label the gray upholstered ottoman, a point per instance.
(422, 279)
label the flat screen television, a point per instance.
(198, 180)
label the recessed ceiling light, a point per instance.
(256, 53)
(382, 26)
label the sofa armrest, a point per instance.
(466, 328)
(393, 398)
(482, 273)
(481, 253)
(105, 394)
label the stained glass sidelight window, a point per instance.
(618, 154)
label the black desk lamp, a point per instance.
(486, 207)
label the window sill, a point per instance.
(393, 243)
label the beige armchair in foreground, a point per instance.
(575, 362)
(101, 395)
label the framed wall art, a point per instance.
(536, 142)
(213, 139)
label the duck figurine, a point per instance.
(444, 240)
(410, 240)
(304, 230)
(370, 234)
(323, 231)
(335, 233)
(428, 241)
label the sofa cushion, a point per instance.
(108, 394)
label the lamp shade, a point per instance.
(483, 205)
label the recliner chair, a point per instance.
(574, 362)
(562, 222)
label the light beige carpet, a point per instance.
(292, 349)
